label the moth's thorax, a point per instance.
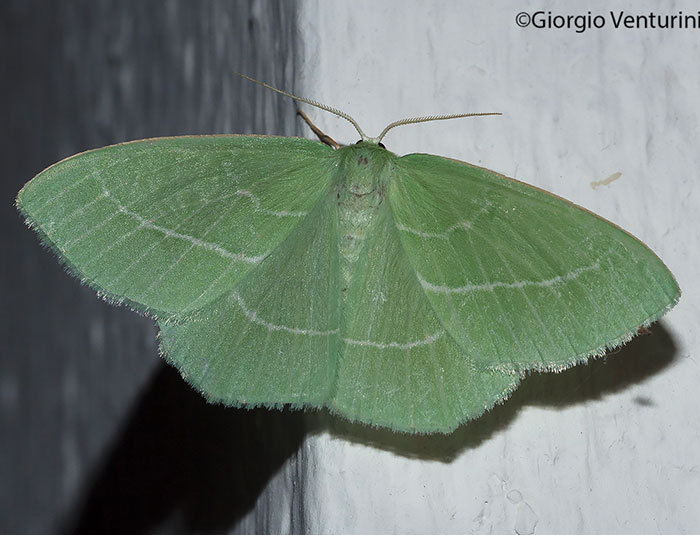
(360, 192)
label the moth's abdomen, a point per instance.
(356, 215)
(360, 195)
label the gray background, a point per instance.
(98, 435)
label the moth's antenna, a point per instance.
(310, 102)
(427, 118)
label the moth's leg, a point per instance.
(324, 138)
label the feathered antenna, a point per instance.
(363, 136)
(310, 102)
(427, 118)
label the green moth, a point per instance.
(409, 292)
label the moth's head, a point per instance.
(365, 155)
(365, 165)
(378, 144)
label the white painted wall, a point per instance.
(611, 447)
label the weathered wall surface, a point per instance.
(606, 448)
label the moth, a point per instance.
(409, 292)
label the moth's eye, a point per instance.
(382, 145)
